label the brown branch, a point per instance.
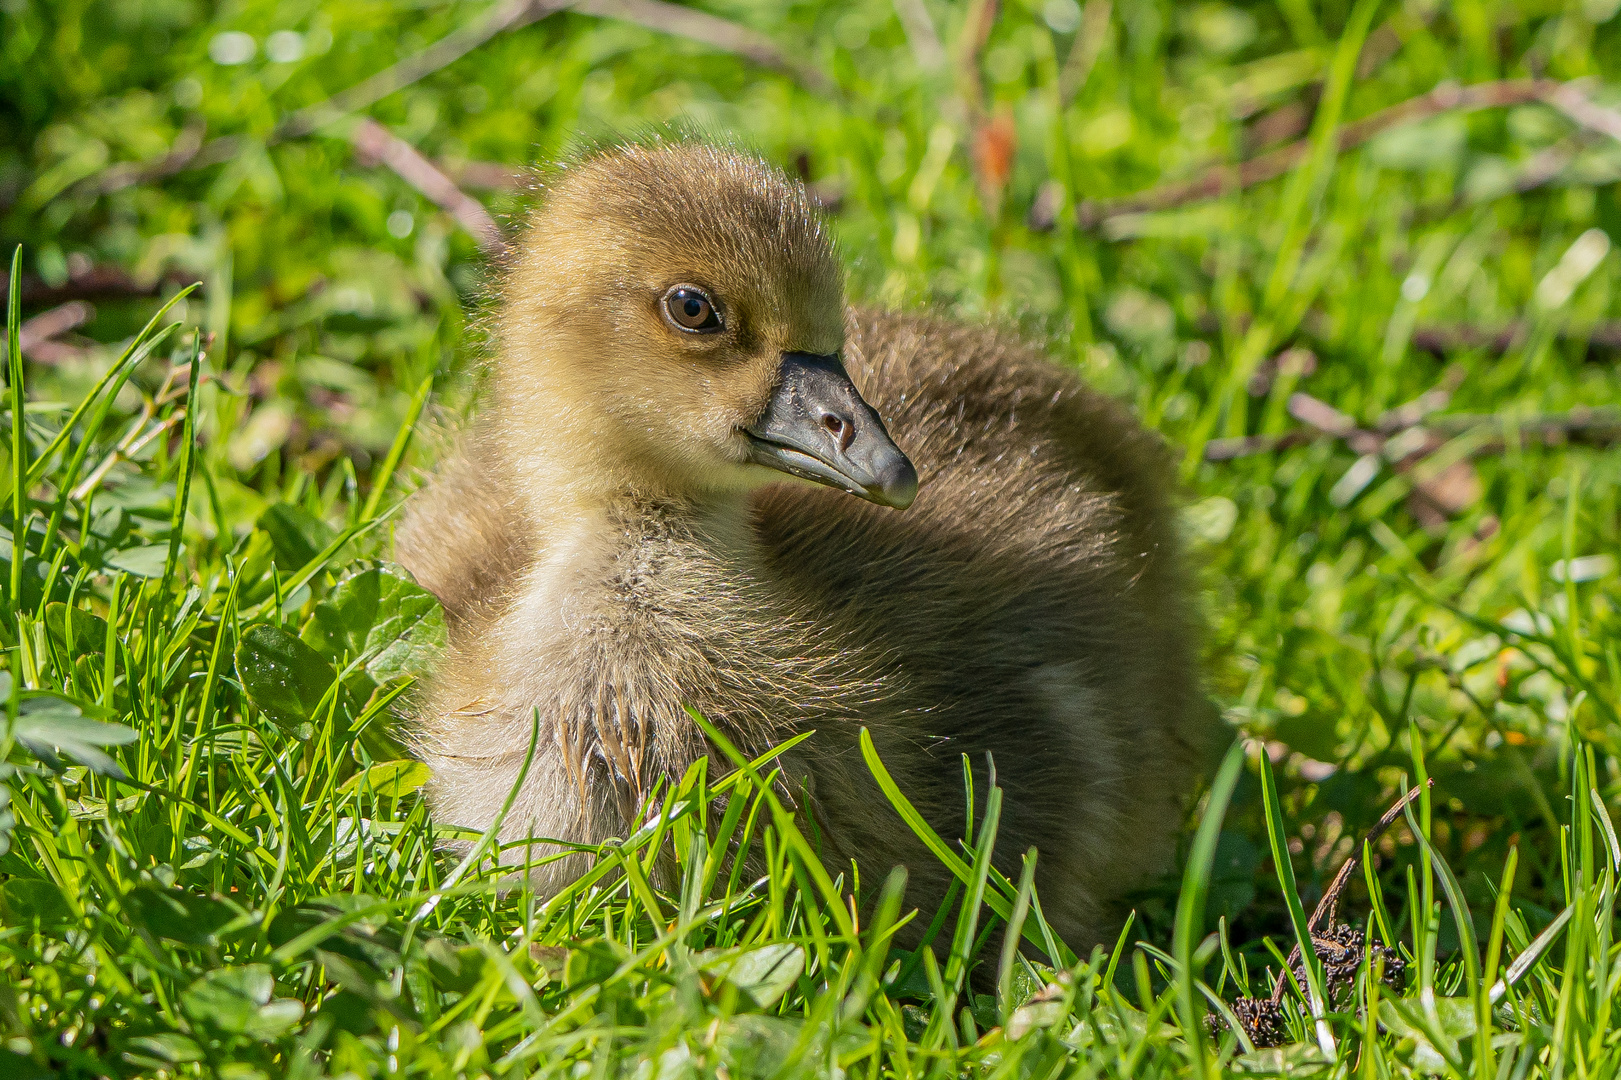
(507, 15)
(1330, 421)
(711, 30)
(34, 336)
(1431, 401)
(1223, 178)
(375, 142)
(920, 35)
(130, 173)
(971, 41)
(490, 175)
(1084, 51)
(94, 283)
(1569, 99)
(1443, 339)
(1583, 425)
(1329, 904)
(369, 138)
(1249, 445)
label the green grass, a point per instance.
(217, 860)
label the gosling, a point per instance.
(654, 511)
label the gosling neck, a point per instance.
(580, 491)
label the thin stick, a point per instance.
(49, 324)
(376, 142)
(1330, 902)
(129, 173)
(920, 34)
(1597, 426)
(711, 30)
(971, 39)
(95, 283)
(507, 15)
(1084, 50)
(1442, 339)
(1446, 98)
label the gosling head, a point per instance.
(674, 322)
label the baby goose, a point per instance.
(615, 542)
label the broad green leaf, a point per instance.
(240, 1001)
(1296, 1059)
(754, 1045)
(760, 1045)
(764, 974)
(1313, 734)
(457, 968)
(34, 900)
(78, 630)
(177, 914)
(145, 562)
(382, 615)
(50, 723)
(349, 925)
(15, 1066)
(388, 779)
(297, 534)
(283, 677)
(168, 1047)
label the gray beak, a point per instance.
(817, 427)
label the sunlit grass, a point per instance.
(218, 858)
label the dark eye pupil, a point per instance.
(691, 310)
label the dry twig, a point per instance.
(377, 143)
(1407, 438)
(711, 30)
(129, 173)
(505, 16)
(920, 35)
(35, 336)
(1340, 949)
(1567, 97)
(1440, 340)
(1223, 178)
(1583, 425)
(489, 175)
(1084, 51)
(93, 283)
(1323, 914)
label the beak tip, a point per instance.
(897, 488)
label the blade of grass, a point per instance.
(999, 903)
(1531, 954)
(973, 899)
(786, 828)
(188, 463)
(402, 439)
(1190, 903)
(1466, 931)
(472, 857)
(140, 346)
(1318, 998)
(19, 444)
(1010, 941)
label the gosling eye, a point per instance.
(690, 309)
